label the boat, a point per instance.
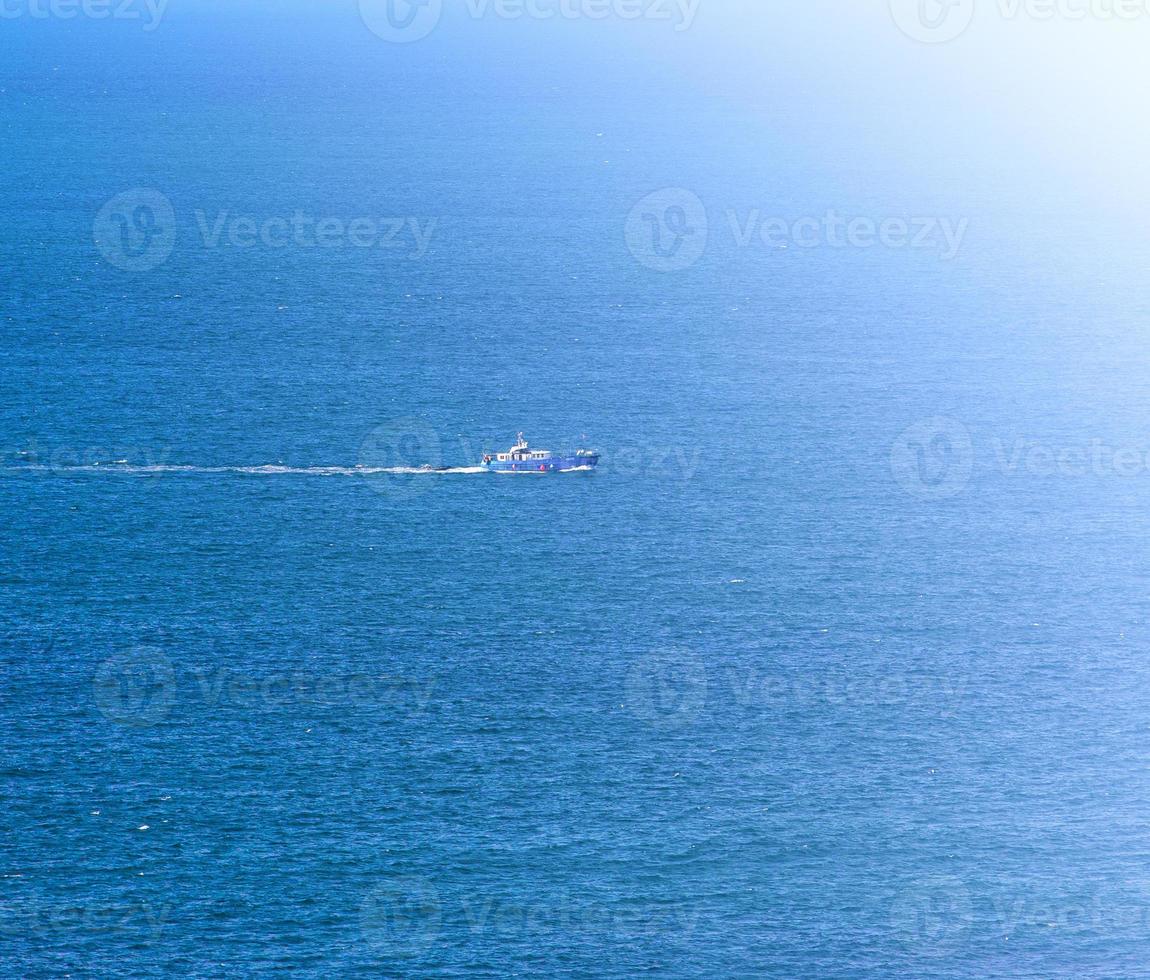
(521, 458)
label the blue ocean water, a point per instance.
(836, 667)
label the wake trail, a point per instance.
(127, 469)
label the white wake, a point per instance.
(129, 469)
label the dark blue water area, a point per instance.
(835, 667)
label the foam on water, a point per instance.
(265, 470)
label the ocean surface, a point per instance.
(837, 666)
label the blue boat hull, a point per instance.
(556, 464)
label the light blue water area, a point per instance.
(836, 667)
